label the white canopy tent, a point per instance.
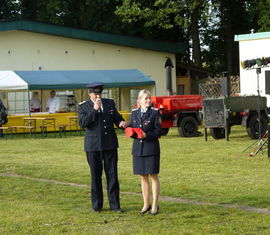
(72, 79)
(11, 81)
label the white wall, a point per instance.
(20, 50)
(253, 49)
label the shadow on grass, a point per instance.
(50, 135)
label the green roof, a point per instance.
(251, 36)
(63, 31)
(72, 79)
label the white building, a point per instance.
(30, 46)
(253, 46)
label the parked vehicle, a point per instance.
(181, 111)
(220, 114)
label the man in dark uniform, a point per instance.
(2, 108)
(98, 116)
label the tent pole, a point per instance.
(29, 113)
(41, 102)
(119, 98)
(76, 102)
(29, 107)
(81, 95)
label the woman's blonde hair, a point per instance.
(141, 94)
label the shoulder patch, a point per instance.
(134, 109)
(154, 108)
(82, 102)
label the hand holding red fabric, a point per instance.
(134, 133)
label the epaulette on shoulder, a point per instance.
(154, 108)
(82, 102)
(134, 109)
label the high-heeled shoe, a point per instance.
(154, 213)
(142, 212)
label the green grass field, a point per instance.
(210, 172)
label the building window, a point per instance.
(133, 97)
(66, 101)
(106, 93)
(18, 102)
(112, 93)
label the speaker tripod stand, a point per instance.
(260, 145)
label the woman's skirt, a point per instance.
(146, 164)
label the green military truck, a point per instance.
(220, 114)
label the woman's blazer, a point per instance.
(150, 123)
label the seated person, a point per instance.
(53, 103)
(35, 103)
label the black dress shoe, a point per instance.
(154, 213)
(118, 210)
(142, 212)
(96, 210)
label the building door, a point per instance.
(180, 89)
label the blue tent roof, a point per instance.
(71, 79)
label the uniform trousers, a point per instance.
(1, 132)
(97, 160)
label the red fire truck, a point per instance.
(182, 111)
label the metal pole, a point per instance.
(268, 142)
(168, 66)
(169, 80)
(29, 105)
(29, 110)
(258, 71)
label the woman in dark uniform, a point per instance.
(146, 150)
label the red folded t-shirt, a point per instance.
(133, 132)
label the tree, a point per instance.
(86, 14)
(263, 8)
(8, 9)
(232, 17)
(207, 26)
(180, 14)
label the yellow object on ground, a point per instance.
(50, 122)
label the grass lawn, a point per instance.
(214, 171)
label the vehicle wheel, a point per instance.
(164, 131)
(188, 127)
(217, 133)
(253, 127)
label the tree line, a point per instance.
(207, 27)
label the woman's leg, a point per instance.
(145, 191)
(155, 191)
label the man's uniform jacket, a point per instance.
(100, 134)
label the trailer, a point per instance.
(181, 111)
(220, 114)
